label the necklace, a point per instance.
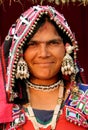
(44, 87)
(31, 116)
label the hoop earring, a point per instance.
(22, 69)
(67, 67)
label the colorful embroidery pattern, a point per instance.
(18, 118)
(77, 108)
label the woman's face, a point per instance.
(45, 53)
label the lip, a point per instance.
(44, 63)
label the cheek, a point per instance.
(27, 56)
(60, 53)
(59, 57)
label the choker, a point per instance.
(45, 87)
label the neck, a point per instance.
(43, 81)
(43, 100)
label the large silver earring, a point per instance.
(68, 67)
(22, 69)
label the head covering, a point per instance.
(18, 34)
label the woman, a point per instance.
(42, 77)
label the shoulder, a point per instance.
(77, 107)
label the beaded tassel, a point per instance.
(58, 106)
(22, 69)
(68, 67)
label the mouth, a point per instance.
(44, 64)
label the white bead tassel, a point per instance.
(22, 69)
(57, 108)
(32, 118)
(68, 67)
(53, 125)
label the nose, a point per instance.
(43, 51)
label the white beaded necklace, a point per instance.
(44, 87)
(31, 116)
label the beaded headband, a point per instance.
(23, 29)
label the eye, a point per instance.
(32, 43)
(55, 42)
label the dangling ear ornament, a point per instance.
(22, 69)
(67, 67)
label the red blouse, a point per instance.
(62, 124)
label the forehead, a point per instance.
(47, 26)
(46, 31)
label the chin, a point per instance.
(44, 75)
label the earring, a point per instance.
(22, 69)
(68, 67)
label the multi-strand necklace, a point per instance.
(31, 116)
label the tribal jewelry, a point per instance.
(44, 87)
(31, 116)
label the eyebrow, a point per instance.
(52, 40)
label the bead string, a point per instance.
(44, 87)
